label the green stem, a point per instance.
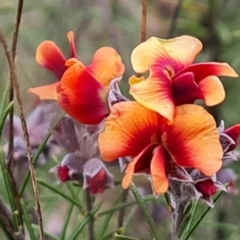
(145, 211)
(201, 216)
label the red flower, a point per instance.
(233, 132)
(96, 176)
(63, 173)
(155, 144)
(82, 91)
(207, 187)
(173, 79)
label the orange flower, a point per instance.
(82, 91)
(156, 145)
(173, 79)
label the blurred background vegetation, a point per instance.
(116, 23)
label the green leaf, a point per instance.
(85, 221)
(59, 192)
(68, 215)
(145, 211)
(108, 218)
(15, 213)
(27, 221)
(126, 204)
(4, 116)
(201, 216)
(123, 237)
(47, 234)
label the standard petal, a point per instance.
(158, 171)
(47, 92)
(70, 36)
(193, 141)
(156, 95)
(51, 57)
(128, 130)
(212, 90)
(82, 96)
(140, 164)
(203, 70)
(106, 65)
(178, 52)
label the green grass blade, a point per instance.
(145, 211)
(85, 221)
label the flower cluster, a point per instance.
(162, 132)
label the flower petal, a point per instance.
(51, 57)
(203, 70)
(47, 92)
(193, 141)
(177, 52)
(212, 90)
(155, 95)
(184, 89)
(158, 171)
(70, 36)
(128, 130)
(106, 65)
(140, 164)
(82, 96)
(234, 133)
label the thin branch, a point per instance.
(174, 19)
(144, 21)
(25, 131)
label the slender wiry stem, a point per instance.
(11, 88)
(11, 123)
(89, 209)
(25, 131)
(144, 21)
(174, 18)
(143, 32)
